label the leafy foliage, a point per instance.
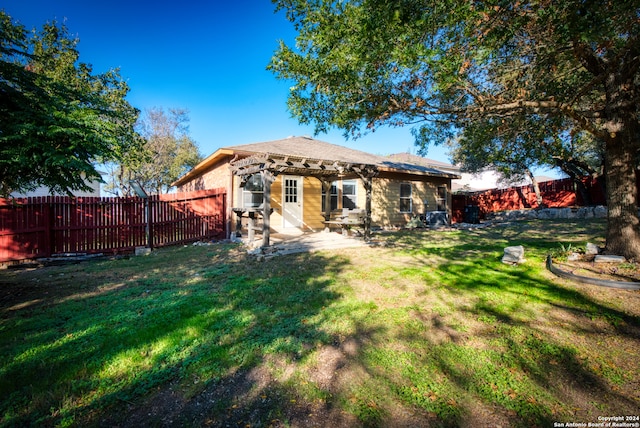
(167, 153)
(57, 118)
(500, 74)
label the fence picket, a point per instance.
(44, 226)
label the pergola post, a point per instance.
(326, 188)
(368, 186)
(366, 175)
(267, 179)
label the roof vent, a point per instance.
(308, 137)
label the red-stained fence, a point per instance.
(555, 194)
(45, 226)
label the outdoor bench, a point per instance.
(348, 219)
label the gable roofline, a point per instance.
(200, 168)
(307, 147)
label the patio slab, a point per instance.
(291, 243)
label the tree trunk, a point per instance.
(576, 176)
(536, 188)
(622, 144)
(623, 225)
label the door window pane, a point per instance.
(291, 190)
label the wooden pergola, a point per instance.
(269, 166)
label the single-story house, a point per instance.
(307, 184)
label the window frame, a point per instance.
(250, 194)
(406, 198)
(351, 197)
(338, 195)
(441, 198)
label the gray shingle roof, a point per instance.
(308, 147)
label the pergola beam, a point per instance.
(270, 165)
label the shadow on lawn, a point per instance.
(519, 317)
(194, 329)
(198, 339)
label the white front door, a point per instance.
(292, 201)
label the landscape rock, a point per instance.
(573, 257)
(605, 258)
(513, 255)
(600, 211)
(592, 249)
(142, 251)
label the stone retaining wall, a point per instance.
(598, 211)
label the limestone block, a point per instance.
(513, 255)
(600, 211)
(142, 251)
(605, 258)
(592, 249)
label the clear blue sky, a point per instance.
(208, 57)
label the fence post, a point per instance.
(49, 230)
(147, 203)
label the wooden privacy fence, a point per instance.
(53, 225)
(561, 193)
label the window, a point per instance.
(349, 197)
(252, 192)
(345, 191)
(334, 197)
(406, 200)
(441, 200)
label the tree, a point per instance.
(167, 154)
(57, 118)
(493, 144)
(443, 66)
(513, 149)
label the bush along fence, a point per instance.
(564, 193)
(56, 225)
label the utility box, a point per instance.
(472, 214)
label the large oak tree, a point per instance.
(57, 118)
(443, 66)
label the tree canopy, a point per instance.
(167, 153)
(57, 118)
(561, 75)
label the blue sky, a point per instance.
(208, 57)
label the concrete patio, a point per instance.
(299, 242)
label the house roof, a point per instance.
(419, 160)
(307, 147)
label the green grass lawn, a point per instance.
(429, 330)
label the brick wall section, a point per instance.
(217, 177)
